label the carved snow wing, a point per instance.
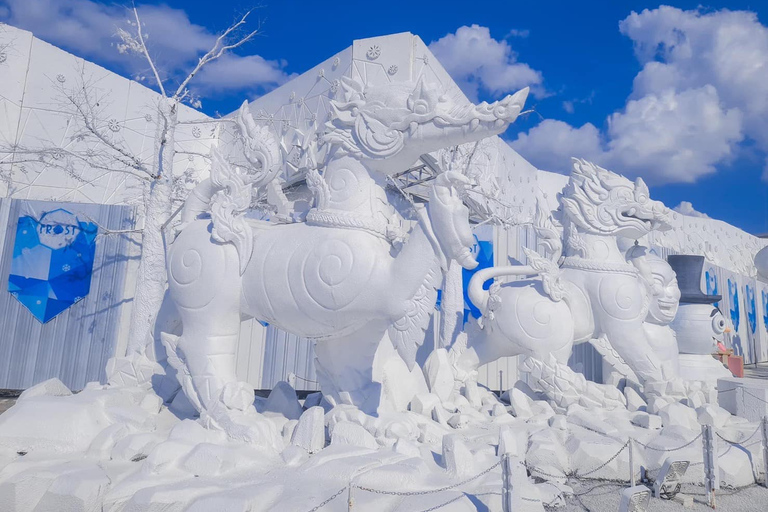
(228, 207)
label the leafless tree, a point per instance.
(95, 148)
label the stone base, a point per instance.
(747, 398)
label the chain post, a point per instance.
(632, 482)
(350, 500)
(764, 426)
(711, 476)
(506, 491)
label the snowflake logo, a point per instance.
(148, 118)
(114, 125)
(392, 69)
(335, 85)
(196, 132)
(321, 73)
(3, 57)
(336, 62)
(66, 268)
(313, 118)
(374, 52)
(61, 78)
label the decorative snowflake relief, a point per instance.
(113, 125)
(196, 132)
(426, 60)
(58, 154)
(321, 73)
(292, 96)
(66, 268)
(61, 78)
(374, 52)
(335, 86)
(336, 62)
(392, 69)
(313, 118)
(3, 57)
(148, 118)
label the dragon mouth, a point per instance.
(636, 215)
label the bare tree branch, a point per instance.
(219, 48)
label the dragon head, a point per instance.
(605, 203)
(389, 126)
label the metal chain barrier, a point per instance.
(601, 466)
(453, 500)
(659, 449)
(432, 491)
(318, 507)
(753, 434)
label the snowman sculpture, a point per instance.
(699, 325)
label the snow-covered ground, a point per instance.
(121, 449)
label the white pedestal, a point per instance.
(747, 398)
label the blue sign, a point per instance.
(711, 282)
(733, 295)
(52, 262)
(765, 309)
(751, 308)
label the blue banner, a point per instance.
(52, 262)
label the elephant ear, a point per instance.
(407, 334)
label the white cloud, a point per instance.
(516, 32)
(551, 144)
(88, 29)
(702, 89)
(477, 61)
(686, 208)
(568, 107)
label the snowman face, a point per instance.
(665, 292)
(718, 324)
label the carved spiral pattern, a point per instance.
(330, 274)
(195, 272)
(345, 187)
(621, 299)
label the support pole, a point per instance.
(632, 482)
(765, 449)
(350, 500)
(711, 476)
(506, 491)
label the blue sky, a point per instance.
(676, 94)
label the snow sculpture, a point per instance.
(594, 293)
(344, 277)
(699, 324)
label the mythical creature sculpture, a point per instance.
(594, 291)
(349, 277)
(663, 292)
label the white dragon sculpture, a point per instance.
(344, 277)
(592, 294)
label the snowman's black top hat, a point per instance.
(688, 268)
